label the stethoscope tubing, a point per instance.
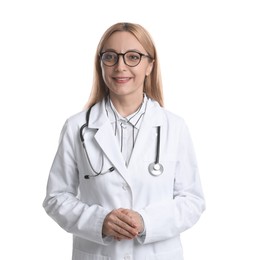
(100, 172)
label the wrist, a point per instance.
(142, 231)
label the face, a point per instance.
(121, 79)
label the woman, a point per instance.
(124, 180)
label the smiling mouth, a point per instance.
(122, 79)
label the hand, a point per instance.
(136, 217)
(121, 224)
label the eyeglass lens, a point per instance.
(130, 58)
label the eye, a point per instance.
(133, 56)
(109, 56)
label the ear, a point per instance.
(149, 67)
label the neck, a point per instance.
(126, 106)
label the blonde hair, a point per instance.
(152, 83)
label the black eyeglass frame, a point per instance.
(123, 56)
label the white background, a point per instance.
(210, 64)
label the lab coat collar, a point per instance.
(152, 117)
(134, 119)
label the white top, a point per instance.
(126, 128)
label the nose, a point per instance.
(120, 64)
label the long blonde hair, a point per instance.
(152, 83)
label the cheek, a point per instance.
(143, 71)
(138, 71)
(141, 74)
(105, 74)
(103, 71)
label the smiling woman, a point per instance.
(103, 183)
(141, 42)
(124, 80)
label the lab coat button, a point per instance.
(127, 257)
(124, 186)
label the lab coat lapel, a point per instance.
(152, 118)
(106, 139)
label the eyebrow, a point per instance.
(120, 52)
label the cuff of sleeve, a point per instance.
(105, 240)
(142, 236)
(143, 233)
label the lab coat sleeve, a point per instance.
(61, 202)
(169, 217)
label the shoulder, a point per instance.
(72, 125)
(77, 119)
(172, 116)
(175, 125)
(168, 116)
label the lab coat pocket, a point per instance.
(167, 160)
(176, 254)
(80, 255)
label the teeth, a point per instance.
(122, 79)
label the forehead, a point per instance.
(123, 41)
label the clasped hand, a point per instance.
(123, 224)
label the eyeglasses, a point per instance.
(130, 58)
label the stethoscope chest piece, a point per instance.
(155, 169)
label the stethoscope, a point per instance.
(155, 168)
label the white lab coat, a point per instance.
(169, 203)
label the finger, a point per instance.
(124, 229)
(114, 225)
(127, 218)
(136, 217)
